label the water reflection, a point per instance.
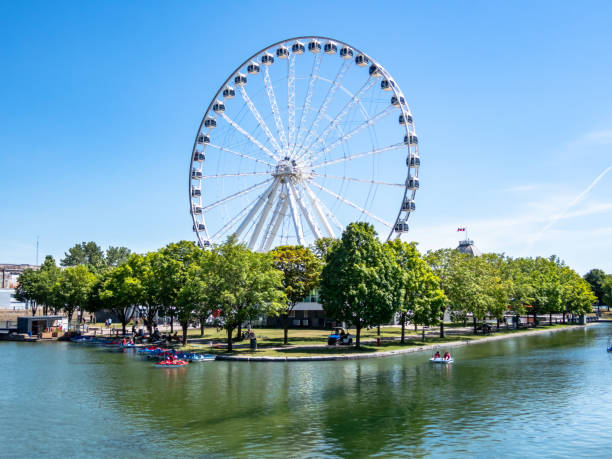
(508, 395)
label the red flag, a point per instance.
(460, 229)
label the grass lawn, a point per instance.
(312, 342)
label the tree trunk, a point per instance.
(172, 322)
(403, 319)
(378, 330)
(442, 323)
(564, 317)
(34, 307)
(474, 318)
(416, 327)
(123, 325)
(201, 328)
(45, 309)
(184, 326)
(239, 333)
(549, 318)
(229, 339)
(286, 329)
(357, 335)
(498, 324)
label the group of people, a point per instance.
(447, 355)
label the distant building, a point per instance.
(467, 246)
(9, 274)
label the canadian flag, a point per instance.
(460, 229)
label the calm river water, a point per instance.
(547, 395)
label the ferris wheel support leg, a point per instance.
(311, 222)
(255, 208)
(263, 216)
(316, 205)
(297, 223)
(279, 218)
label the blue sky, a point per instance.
(100, 103)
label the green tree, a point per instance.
(440, 261)
(116, 256)
(47, 276)
(300, 268)
(244, 284)
(358, 282)
(121, 291)
(596, 279)
(323, 246)
(28, 289)
(89, 254)
(72, 289)
(606, 291)
(421, 299)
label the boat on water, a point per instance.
(441, 360)
(193, 357)
(171, 363)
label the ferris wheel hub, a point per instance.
(286, 168)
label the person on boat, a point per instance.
(123, 342)
(437, 355)
(447, 355)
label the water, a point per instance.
(540, 396)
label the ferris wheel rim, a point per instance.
(412, 171)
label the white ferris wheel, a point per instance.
(304, 137)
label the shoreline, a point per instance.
(381, 354)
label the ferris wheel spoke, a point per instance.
(308, 100)
(375, 151)
(321, 210)
(275, 112)
(346, 137)
(335, 84)
(263, 216)
(242, 155)
(352, 204)
(306, 212)
(236, 195)
(240, 174)
(339, 117)
(353, 179)
(260, 121)
(256, 207)
(253, 140)
(234, 220)
(279, 217)
(297, 222)
(291, 99)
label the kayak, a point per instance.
(441, 360)
(171, 363)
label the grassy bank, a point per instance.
(311, 343)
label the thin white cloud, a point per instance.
(602, 137)
(576, 200)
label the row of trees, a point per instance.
(365, 283)
(361, 281)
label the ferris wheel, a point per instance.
(304, 137)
